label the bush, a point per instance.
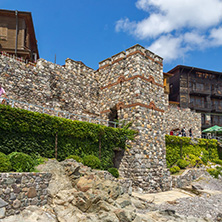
(92, 161)
(32, 132)
(182, 163)
(114, 172)
(76, 158)
(38, 159)
(179, 147)
(194, 161)
(21, 162)
(217, 161)
(215, 172)
(174, 169)
(5, 165)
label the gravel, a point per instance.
(206, 205)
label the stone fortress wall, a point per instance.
(72, 88)
(177, 118)
(20, 190)
(133, 82)
(129, 85)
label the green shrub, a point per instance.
(215, 172)
(32, 132)
(114, 172)
(182, 163)
(174, 169)
(179, 147)
(76, 158)
(92, 161)
(217, 161)
(37, 159)
(21, 162)
(5, 165)
(194, 161)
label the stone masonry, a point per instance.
(177, 118)
(127, 86)
(133, 82)
(19, 190)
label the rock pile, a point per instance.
(79, 194)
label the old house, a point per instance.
(199, 90)
(17, 35)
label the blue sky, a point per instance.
(185, 32)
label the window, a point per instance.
(3, 32)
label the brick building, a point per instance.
(17, 34)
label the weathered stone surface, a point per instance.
(16, 204)
(84, 184)
(3, 203)
(2, 212)
(19, 190)
(32, 192)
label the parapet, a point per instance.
(136, 49)
(72, 64)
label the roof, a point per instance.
(194, 68)
(29, 22)
(167, 74)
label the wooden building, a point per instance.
(17, 34)
(200, 90)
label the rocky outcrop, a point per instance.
(79, 194)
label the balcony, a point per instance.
(200, 107)
(205, 91)
(216, 93)
(217, 108)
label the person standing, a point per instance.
(190, 131)
(2, 92)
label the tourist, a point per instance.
(2, 91)
(171, 133)
(190, 131)
(183, 131)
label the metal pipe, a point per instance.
(16, 38)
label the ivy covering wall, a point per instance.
(179, 147)
(31, 132)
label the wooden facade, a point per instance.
(17, 35)
(200, 90)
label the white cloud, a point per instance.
(168, 47)
(216, 35)
(186, 25)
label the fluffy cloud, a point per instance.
(175, 26)
(216, 35)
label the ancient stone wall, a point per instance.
(50, 85)
(128, 86)
(177, 118)
(19, 190)
(133, 82)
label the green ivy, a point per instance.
(32, 132)
(181, 147)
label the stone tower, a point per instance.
(132, 84)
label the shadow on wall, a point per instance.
(119, 154)
(113, 115)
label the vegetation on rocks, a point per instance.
(92, 161)
(187, 152)
(114, 172)
(5, 164)
(215, 172)
(182, 163)
(174, 169)
(21, 162)
(76, 158)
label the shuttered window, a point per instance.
(3, 32)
